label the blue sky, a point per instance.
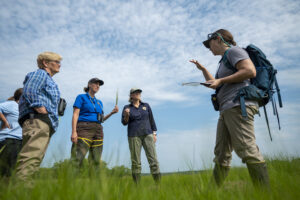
(148, 44)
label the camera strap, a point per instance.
(94, 103)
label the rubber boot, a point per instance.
(156, 178)
(259, 174)
(220, 173)
(136, 178)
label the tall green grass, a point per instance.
(65, 182)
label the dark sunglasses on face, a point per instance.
(56, 61)
(211, 36)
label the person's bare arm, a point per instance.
(246, 70)
(208, 76)
(115, 110)
(5, 123)
(154, 136)
(75, 117)
(41, 110)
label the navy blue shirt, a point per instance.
(141, 121)
(89, 108)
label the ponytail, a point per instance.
(86, 89)
(227, 36)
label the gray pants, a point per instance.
(135, 146)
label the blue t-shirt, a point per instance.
(10, 110)
(89, 108)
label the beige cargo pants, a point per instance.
(36, 137)
(236, 133)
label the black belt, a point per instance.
(43, 117)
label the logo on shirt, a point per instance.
(144, 108)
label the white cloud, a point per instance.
(147, 44)
(289, 77)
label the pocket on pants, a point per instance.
(28, 126)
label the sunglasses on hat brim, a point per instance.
(210, 36)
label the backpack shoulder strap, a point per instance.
(226, 62)
(267, 120)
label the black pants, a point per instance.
(8, 156)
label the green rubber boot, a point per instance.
(259, 174)
(157, 178)
(220, 173)
(136, 178)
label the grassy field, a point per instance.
(64, 182)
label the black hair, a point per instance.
(86, 89)
(17, 95)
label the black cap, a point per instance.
(210, 37)
(96, 80)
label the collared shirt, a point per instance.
(141, 121)
(89, 108)
(40, 90)
(11, 112)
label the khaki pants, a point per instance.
(36, 137)
(90, 138)
(135, 146)
(236, 133)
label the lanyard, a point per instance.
(94, 103)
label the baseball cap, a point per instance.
(96, 80)
(210, 37)
(133, 90)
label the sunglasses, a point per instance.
(212, 36)
(56, 61)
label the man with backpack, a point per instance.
(235, 129)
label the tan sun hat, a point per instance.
(133, 90)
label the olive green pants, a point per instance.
(36, 137)
(135, 146)
(236, 133)
(90, 138)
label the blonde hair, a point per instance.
(47, 56)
